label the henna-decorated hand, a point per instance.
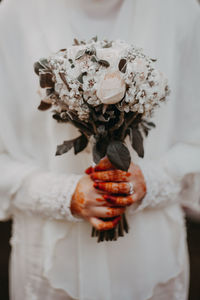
(118, 184)
(90, 204)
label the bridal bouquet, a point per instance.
(108, 90)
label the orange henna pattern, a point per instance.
(114, 211)
(106, 225)
(89, 170)
(113, 188)
(104, 165)
(100, 200)
(112, 175)
(121, 201)
(78, 205)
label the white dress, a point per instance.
(53, 256)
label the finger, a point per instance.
(104, 225)
(103, 202)
(89, 170)
(106, 212)
(114, 187)
(112, 175)
(119, 201)
(104, 165)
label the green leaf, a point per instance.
(65, 147)
(80, 144)
(136, 141)
(44, 106)
(119, 155)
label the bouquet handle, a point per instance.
(112, 235)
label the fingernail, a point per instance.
(99, 199)
(108, 198)
(89, 170)
(96, 185)
(117, 220)
(92, 175)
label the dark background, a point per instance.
(193, 229)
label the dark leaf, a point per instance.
(137, 141)
(49, 91)
(104, 63)
(80, 77)
(63, 50)
(58, 118)
(80, 54)
(46, 80)
(62, 76)
(101, 130)
(99, 150)
(44, 106)
(122, 65)
(80, 143)
(65, 147)
(90, 51)
(42, 64)
(145, 129)
(37, 67)
(153, 59)
(93, 58)
(104, 118)
(150, 124)
(76, 42)
(108, 45)
(70, 60)
(119, 155)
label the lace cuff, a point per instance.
(161, 187)
(48, 194)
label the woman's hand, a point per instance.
(90, 204)
(121, 188)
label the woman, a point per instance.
(53, 256)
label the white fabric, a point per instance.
(57, 259)
(48, 194)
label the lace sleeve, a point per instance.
(162, 188)
(48, 194)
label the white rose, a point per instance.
(111, 88)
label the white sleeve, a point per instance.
(26, 187)
(48, 194)
(176, 176)
(162, 188)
